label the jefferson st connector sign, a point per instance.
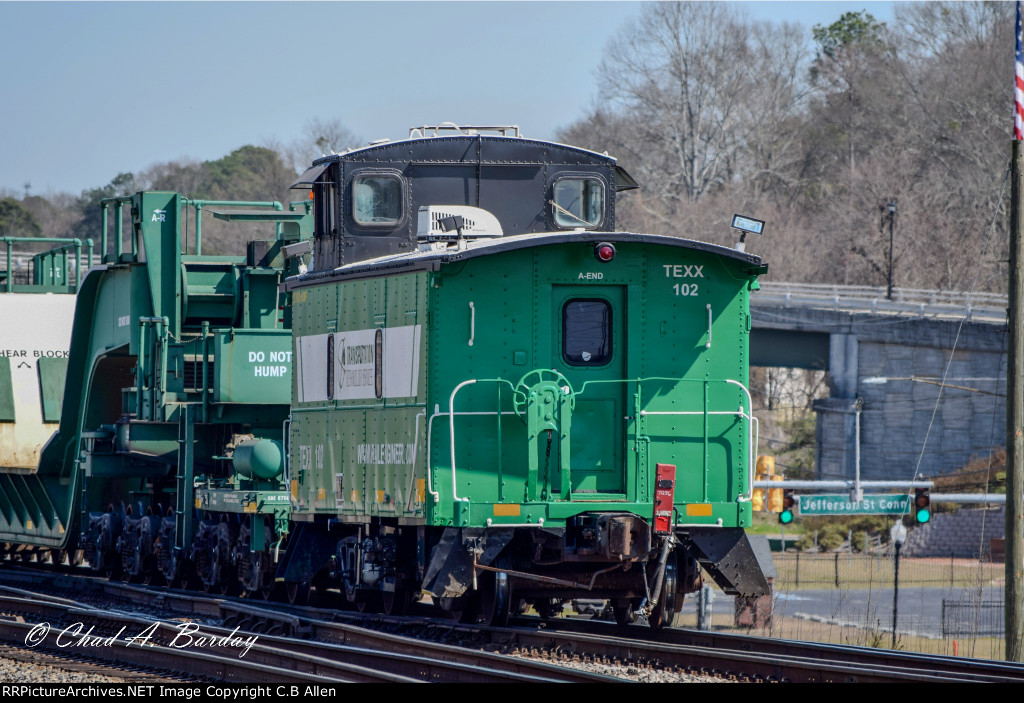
(840, 504)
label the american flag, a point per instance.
(1018, 91)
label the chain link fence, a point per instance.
(950, 606)
(799, 570)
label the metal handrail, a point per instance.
(49, 257)
(753, 425)
(430, 468)
(198, 205)
(905, 301)
(927, 295)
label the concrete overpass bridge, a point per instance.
(888, 362)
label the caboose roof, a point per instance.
(499, 150)
(360, 153)
(431, 260)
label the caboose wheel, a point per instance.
(670, 599)
(496, 594)
(624, 611)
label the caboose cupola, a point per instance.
(368, 202)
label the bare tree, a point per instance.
(321, 136)
(773, 111)
(185, 176)
(680, 70)
(701, 104)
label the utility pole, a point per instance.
(892, 221)
(1014, 528)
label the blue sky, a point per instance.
(89, 89)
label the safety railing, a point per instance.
(451, 436)
(741, 413)
(641, 413)
(119, 204)
(198, 206)
(917, 302)
(753, 429)
(50, 269)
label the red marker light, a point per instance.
(604, 252)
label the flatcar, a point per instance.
(175, 393)
(500, 399)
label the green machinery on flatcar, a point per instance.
(178, 383)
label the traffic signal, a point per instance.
(788, 507)
(922, 505)
(763, 499)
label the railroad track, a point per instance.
(21, 664)
(750, 658)
(726, 656)
(336, 652)
(969, 669)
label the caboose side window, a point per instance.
(578, 202)
(377, 200)
(587, 332)
(323, 208)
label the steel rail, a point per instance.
(366, 649)
(194, 663)
(276, 658)
(866, 658)
(269, 618)
(727, 655)
(730, 664)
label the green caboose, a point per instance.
(519, 394)
(517, 403)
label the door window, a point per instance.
(587, 332)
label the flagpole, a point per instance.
(1014, 515)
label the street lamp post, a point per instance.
(892, 220)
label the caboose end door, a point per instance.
(590, 351)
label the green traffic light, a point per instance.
(924, 515)
(786, 517)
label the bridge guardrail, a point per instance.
(906, 301)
